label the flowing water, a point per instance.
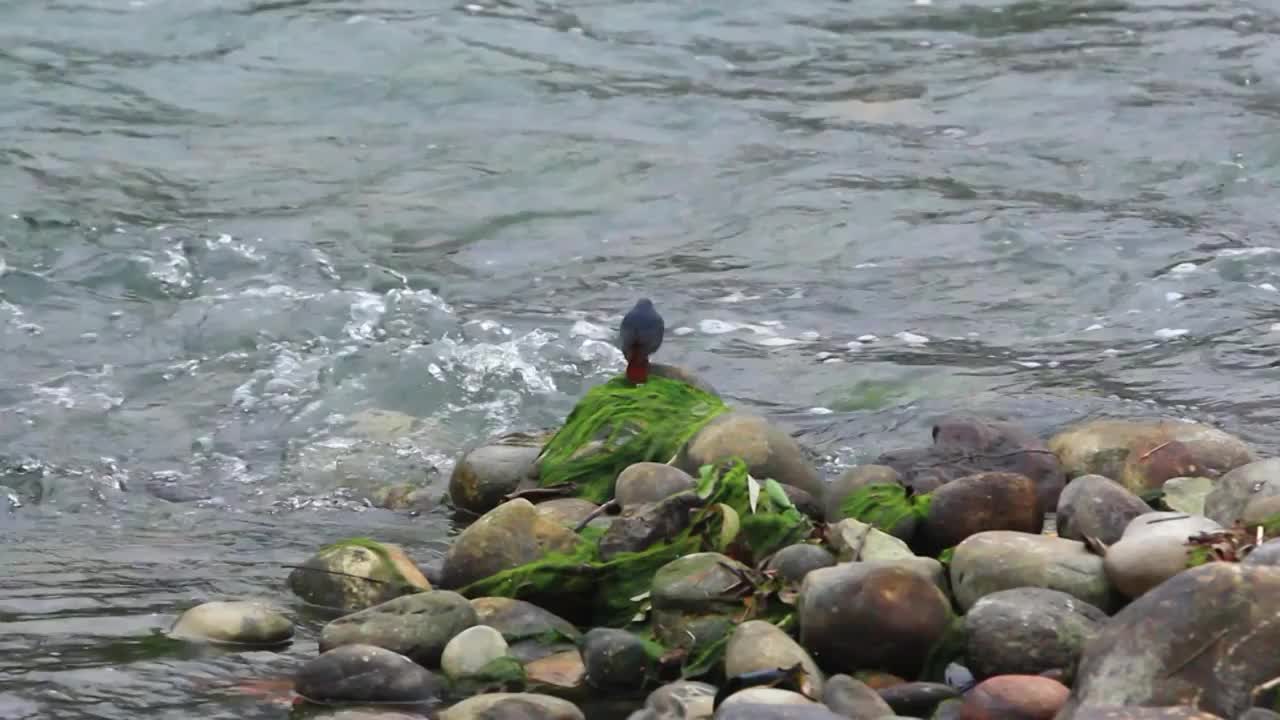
(261, 258)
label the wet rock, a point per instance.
(743, 710)
(760, 696)
(530, 631)
(885, 617)
(1152, 550)
(640, 527)
(1260, 511)
(986, 501)
(1027, 631)
(967, 445)
(492, 706)
(614, 659)
(760, 645)
(1002, 560)
(1112, 712)
(948, 710)
(854, 479)
(569, 512)
(1014, 697)
(365, 674)
(235, 622)
(650, 482)
(1095, 506)
(855, 540)
(486, 474)
(697, 583)
(1204, 637)
(1233, 491)
(404, 497)
(417, 626)
(917, 698)
(563, 674)
(1268, 553)
(680, 700)
(768, 451)
(1258, 713)
(878, 679)
(467, 654)
(853, 698)
(335, 577)
(1187, 494)
(793, 562)
(1143, 454)
(675, 372)
(507, 536)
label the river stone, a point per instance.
(562, 674)
(1152, 550)
(1257, 713)
(917, 698)
(761, 696)
(967, 445)
(855, 540)
(1143, 454)
(1181, 712)
(614, 659)
(471, 650)
(854, 479)
(853, 698)
(1227, 501)
(1187, 494)
(761, 645)
(1268, 553)
(530, 631)
(793, 562)
(684, 375)
(680, 700)
(1002, 559)
(1026, 631)
(490, 706)
(640, 527)
(569, 512)
(234, 622)
(1260, 511)
(755, 710)
(417, 626)
(335, 576)
(404, 497)
(510, 535)
(697, 583)
(1014, 697)
(948, 710)
(884, 617)
(1205, 637)
(768, 451)
(985, 501)
(1095, 506)
(488, 473)
(365, 674)
(650, 482)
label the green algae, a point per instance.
(885, 506)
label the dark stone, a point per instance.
(966, 445)
(793, 562)
(917, 698)
(417, 626)
(1026, 631)
(853, 698)
(976, 503)
(615, 659)
(1094, 506)
(1205, 636)
(530, 631)
(1268, 553)
(365, 674)
(643, 526)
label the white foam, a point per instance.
(911, 338)
(1184, 268)
(1173, 296)
(1171, 333)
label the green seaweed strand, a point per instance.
(884, 505)
(634, 423)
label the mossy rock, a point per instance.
(356, 573)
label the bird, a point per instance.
(639, 336)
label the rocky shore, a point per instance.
(671, 558)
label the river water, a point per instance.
(258, 259)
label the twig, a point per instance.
(549, 492)
(606, 507)
(1154, 450)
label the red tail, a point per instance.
(637, 367)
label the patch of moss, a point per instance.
(394, 577)
(884, 506)
(503, 674)
(633, 423)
